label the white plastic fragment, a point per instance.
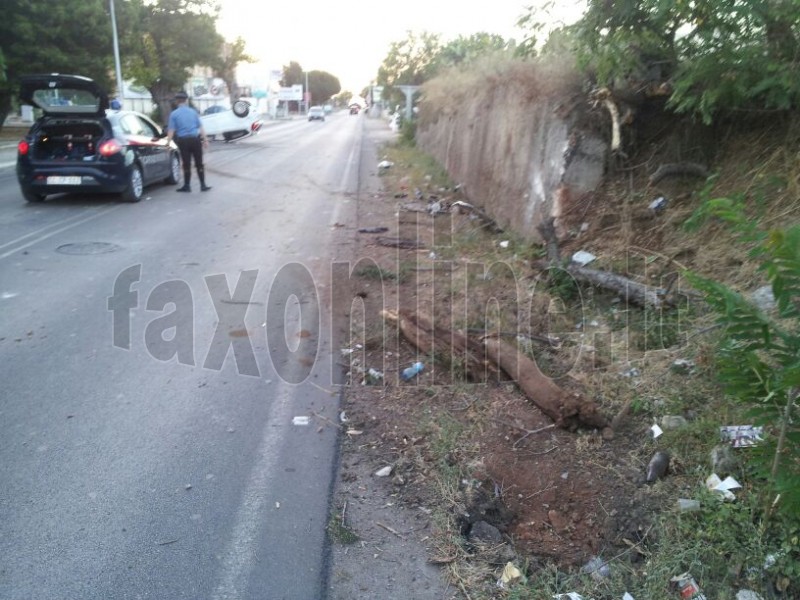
(384, 472)
(657, 431)
(583, 258)
(722, 486)
(385, 164)
(627, 596)
(504, 244)
(568, 596)
(510, 574)
(301, 421)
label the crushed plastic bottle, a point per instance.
(412, 371)
(658, 466)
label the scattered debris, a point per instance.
(568, 596)
(747, 595)
(658, 205)
(412, 371)
(632, 372)
(677, 169)
(389, 529)
(742, 436)
(764, 298)
(583, 258)
(657, 431)
(723, 486)
(484, 532)
(597, 568)
(436, 208)
(383, 472)
(403, 243)
(373, 377)
(301, 421)
(686, 505)
(723, 459)
(503, 244)
(669, 422)
(688, 587)
(486, 356)
(343, 417)
(373, 230)
(419, 207)
(658, 466)
(511, 574)
(487, 221)
(385, 164)
(683, 366)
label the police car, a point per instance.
(79, 146)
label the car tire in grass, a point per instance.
(135, 189)
(174, 170)
(32, 196)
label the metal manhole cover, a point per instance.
(88, 248)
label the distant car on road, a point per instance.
(231, 123)
(316, 113)
(354, 109)
(79, 145)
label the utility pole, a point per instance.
(307, 95)
(116, 52)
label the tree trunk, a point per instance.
(163, 97)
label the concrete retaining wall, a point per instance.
(516, 139)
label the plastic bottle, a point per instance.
(412, 371)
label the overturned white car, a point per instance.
(232, 123)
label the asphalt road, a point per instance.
(168, 377)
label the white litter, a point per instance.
(583, 258)
(301, 421)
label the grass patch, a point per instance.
(339, 532)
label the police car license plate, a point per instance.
(61, 180)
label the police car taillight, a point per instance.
(109, 148)
(23, 147)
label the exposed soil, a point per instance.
(557, 497)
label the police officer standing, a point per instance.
(186, 129)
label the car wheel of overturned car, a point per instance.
(174, 169)
(32, 196)
(241, 108)
(135, 189)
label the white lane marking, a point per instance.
(239, 556)
(56, 231)
(43, 229)
(7, 164)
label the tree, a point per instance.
(718, 55)
(323, 86)
(411, 61)
(171, 37)
(465, 49)
(293, 74)
(225, 67)
(69, 36)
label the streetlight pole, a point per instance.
(116, 51)
(308, 93)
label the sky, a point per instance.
(349, 40)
